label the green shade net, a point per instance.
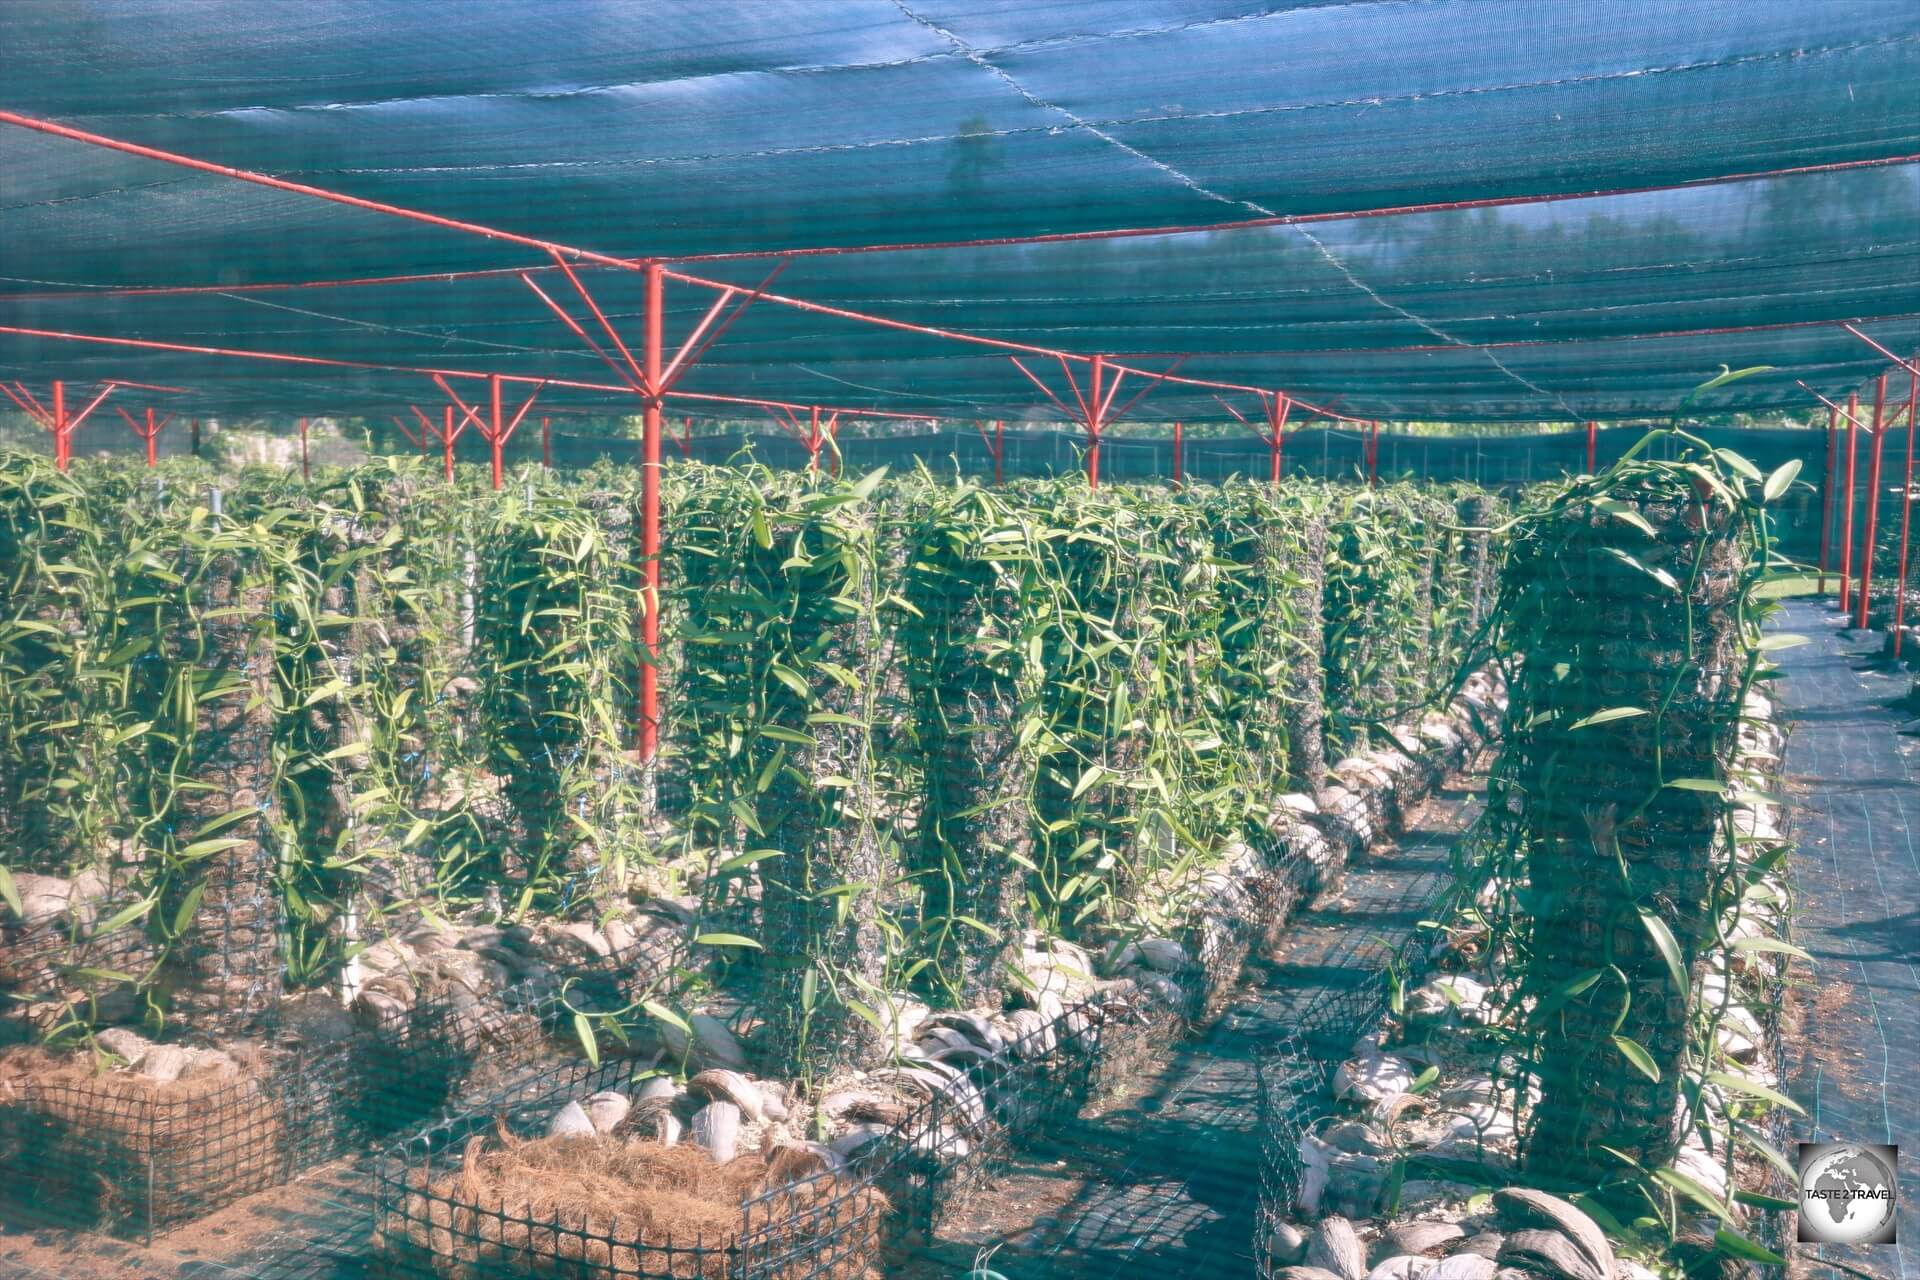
(719, 128)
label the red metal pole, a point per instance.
(1593, 441)
(1846, 544)
(306, 463)
(1873, 500)
(650, 514)
(1373, 454)
(1177, 448)
(1906, 514)
(153, 434)
(446, 440)
(60, 425)
(546, 443)
(999, 452)
(1093, 423)
(497, 436)
(193, 439)
(813, 441)
(1826, 494)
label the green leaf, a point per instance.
(583, 1028)
(1566, 991)
(792, 679)
(1735, 1245)
(1754, 1089)
(660, 1013)
(1781, 479)
(1424, 1081)
(1709, 786)
(1632, 1051)
(1779, 640)
(727, 940)
(1609, 716)
(747, 859)
(11, 892)
(125, 916)
(1772, 944)
(188, 906)
(1767, 1150)
(1669, 948)
(1087, 779)
(1695, 1192)
(1776, 1204)
(1727, 375)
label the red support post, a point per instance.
(1093, 408)
(1373, 454)
(193, 438)
(813, 441)
(1873, 501)
(546, 443)
(1826, 494)
(651, 339)
(1178, 447)
(446, 440)
(61, 447)
(1846, 544)
(306, 462)
(1593, 442)
(999, 452)
(1279, 407)
(148, 431)
(1906, 513)
(497, 434)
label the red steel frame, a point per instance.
(1906, 493)
(1179, 448)
(652, 377)
(148, 431)
(1275, 407)
(1876, 443)
(1826, 494)
(997, 446)
(1906, 512)
(812, 437)
(1846, 545)
(56, 421)
(1593, 444)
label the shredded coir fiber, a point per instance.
(590, 1208)
(96, 1144)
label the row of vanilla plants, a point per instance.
(256, 726)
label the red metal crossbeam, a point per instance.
(412, 439)
(1846, 414)
(1908, 365)
(326, 362)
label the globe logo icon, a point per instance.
(1848, 1193)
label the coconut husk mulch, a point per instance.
(592, 1208)
(85, 1146)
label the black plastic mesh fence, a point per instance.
(1291, 1084)
(432, 1219)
